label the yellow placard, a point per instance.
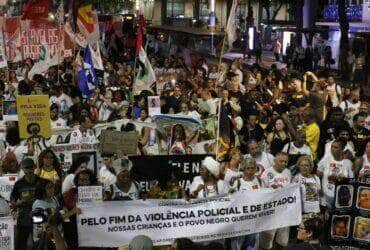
(34, 116)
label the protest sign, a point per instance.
(69, 152)
(34, 116)
(117, 142)
(159, 167)
(26, 38)
(6, 185)
(10, 111)
(3, 61)
(154, 105)
(113, 224)
(90, 194)
(6, 233)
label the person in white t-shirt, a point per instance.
(342, 132)
(125, 188)
(351, 106)
(334, 91)
(208, 183)
(331, 168)
(276, 177)
(55, 120)
(83, 134)
(310, 185)
(363, 164)
(248, 182)
(107, 175)
(63, 101)
(264, 160)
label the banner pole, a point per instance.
(218, 127)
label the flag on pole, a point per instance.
(76, 38)
(146, 77)
(87, 22)
(36, 9)
(86, 74)
(231, 26)
(224, 135)
(96, 56)
(59, 15)
(44, 62)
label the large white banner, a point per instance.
(6, 233)
(115, 223)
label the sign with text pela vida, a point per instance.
(34, 116)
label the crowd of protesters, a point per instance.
(286, 127)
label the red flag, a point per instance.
(139, 38)
(36, 9)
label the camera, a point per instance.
(49, 215)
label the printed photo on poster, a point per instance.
(93, 160)
(344, 196)
(154, 105)
(10, 111)
(361, 229)
(363, 198)
(340, 226)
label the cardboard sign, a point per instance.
(34, 116)
(117, 142)
(90, 194)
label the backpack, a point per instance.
(9, 162)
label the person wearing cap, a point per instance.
(22, 198)
(125, 188)
(208, 184)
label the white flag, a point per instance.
(231, 26)
(146, 77)
(96, 56)
(44, 63)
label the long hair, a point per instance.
(56, 163)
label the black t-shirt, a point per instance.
(359, 140)
(24, 190)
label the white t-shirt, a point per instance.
(293, 150)
(59, 123)
(347, 105)
(210, 191)
(106, 177)
(249, 185)
(64, 102)
(331, 169)
(263, 162)
(365, 165)
(333, 91)
(310, 192)
(229, 174)
(328, 149)
(68, 183)
(272, 177)
(132, 194)
(78, 137)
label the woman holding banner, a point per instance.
(208, 184)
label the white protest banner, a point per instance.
(115, 223)
(69, 152)
(6, 185)
(3, 61)
(6, 233)
(90, 194)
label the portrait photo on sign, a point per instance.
(363, 198)
(361, 229)
(344, 196)
(93, 162)
(340, 226)
(10, 111)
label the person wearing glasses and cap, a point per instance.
(125, 188)
(208, 183)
